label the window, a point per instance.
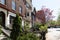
(27, 5)
(13, 5)
(2, 1)
(2, 19)
(20, 9)
(11, 20)
(27, 14)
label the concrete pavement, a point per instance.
(53, 35)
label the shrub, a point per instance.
(16, 28)
(27, 36)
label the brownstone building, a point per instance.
(9, 8)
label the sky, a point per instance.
(51, 4)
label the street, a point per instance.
(53, 34)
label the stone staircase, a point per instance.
(2, 36)
(7, 32)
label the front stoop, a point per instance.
(7, 32)
(2, 36)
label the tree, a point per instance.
(52, 23)
(58, 20)
(48, 13)
(44, 15)
(16, 28)
(42, 28)
(18, 34)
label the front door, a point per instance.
(2, 19)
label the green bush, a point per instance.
(43, 28)
(16, 28)
(27, 36)
(26, 26)
(17, 32)
(40, 27)
(8, 38)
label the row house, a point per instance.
(9, 8)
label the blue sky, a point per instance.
(52, 4)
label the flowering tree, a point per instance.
(48, 14)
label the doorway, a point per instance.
(2, 18)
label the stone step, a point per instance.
(7, 32)
(2, 36)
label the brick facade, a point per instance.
(8, 6)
